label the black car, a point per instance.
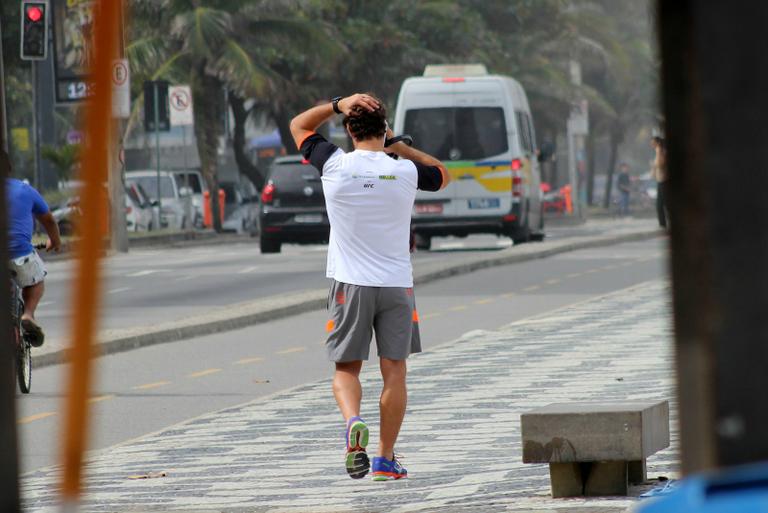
(292, 205)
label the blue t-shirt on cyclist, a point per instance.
(24, 202)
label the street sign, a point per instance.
(180, 99)
(121, 89)
(161, 103)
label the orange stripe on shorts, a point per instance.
(329, 326)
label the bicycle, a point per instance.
(22, 358)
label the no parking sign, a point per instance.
(180, 100)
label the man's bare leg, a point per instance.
(394, 397)
(347, 389)
(32, 296)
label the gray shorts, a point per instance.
(28, 270)
(357, 311)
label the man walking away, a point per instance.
(624, 189)
(659, 172)
(25, 205)
(369, 197)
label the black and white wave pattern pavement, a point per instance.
(461, 437)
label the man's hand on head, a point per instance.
(358, 101)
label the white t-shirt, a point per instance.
(369, 198)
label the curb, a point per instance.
(276, 307)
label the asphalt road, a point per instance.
(145, 390)
(148, 286)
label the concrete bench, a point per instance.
(595, 448)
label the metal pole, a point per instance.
(157, 149)
(9, 463)
(36, 124)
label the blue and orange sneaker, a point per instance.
(387, 470)
(357, 461)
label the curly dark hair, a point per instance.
(363, 124)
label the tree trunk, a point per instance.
(206, 91)
(284, 126)
(244, 164)
(590, 168)
(615, 139)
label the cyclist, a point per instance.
(24, 205)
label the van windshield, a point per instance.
(458, 133)
(149, 184)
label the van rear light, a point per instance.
(516, 164)
(510, 218)
(451, 80)
(268, 193)
(517, 179)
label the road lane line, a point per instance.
(38, 416)
(100, 398)
(202, 373)
(553, 281)
(187, 278)
(484, 301)
(430, 315)
(146, 272)
(148, 386)
(117, 291)
(292, 350)
(574, 275)
(591, 271)
(248, 270)
(532, 288)
(509, 295)
(44, 303)
(458, 308)
(246, 361)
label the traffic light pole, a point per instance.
(9, 462)
(156, 100)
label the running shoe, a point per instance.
(388, 470)
(357, 461)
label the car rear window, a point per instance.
(149, 184)
(194, 181)
(460, 133)
(290, 172)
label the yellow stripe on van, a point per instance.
(492, 178)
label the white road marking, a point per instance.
(44, 303)
(146, 272)
(187, 277)
(117, 291)
(248, 270)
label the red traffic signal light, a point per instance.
(34, 30)
(34, 13)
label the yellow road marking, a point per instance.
(100, 398)
(553, 281)
(202, 373)
(37, 416)
(292, 350)
(246, 361)
(484, 301)
(458, 308)
(430, 315)
(156, 384)
(532, 288)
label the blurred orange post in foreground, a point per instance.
(86, 293)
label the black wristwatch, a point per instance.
(335, 102)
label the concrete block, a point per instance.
(636, 472)
(606, 478)
(588, 432)
(566, 480)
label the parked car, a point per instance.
(481, 127)
(292, 205)
(241, 207)
(194, 181)
(139, 211)
(176, 210)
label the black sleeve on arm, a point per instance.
(317, 150)
(430, 177)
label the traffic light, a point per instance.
(34, 30)
(163, 116)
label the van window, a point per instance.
(462, 133)
(531, 133)
(149, 184)
(524, 135)
(194, 181)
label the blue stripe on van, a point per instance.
(494, 163)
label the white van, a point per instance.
(176, 210)
(480, 126)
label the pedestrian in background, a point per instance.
(369, 197)
(659, 172)
(624, 183)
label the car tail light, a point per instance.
(517, 179)
(450, 80)
(304, 161)
(268, 193)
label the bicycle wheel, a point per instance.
(23, 361)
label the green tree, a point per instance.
(64, 158)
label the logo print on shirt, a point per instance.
(368, 186)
